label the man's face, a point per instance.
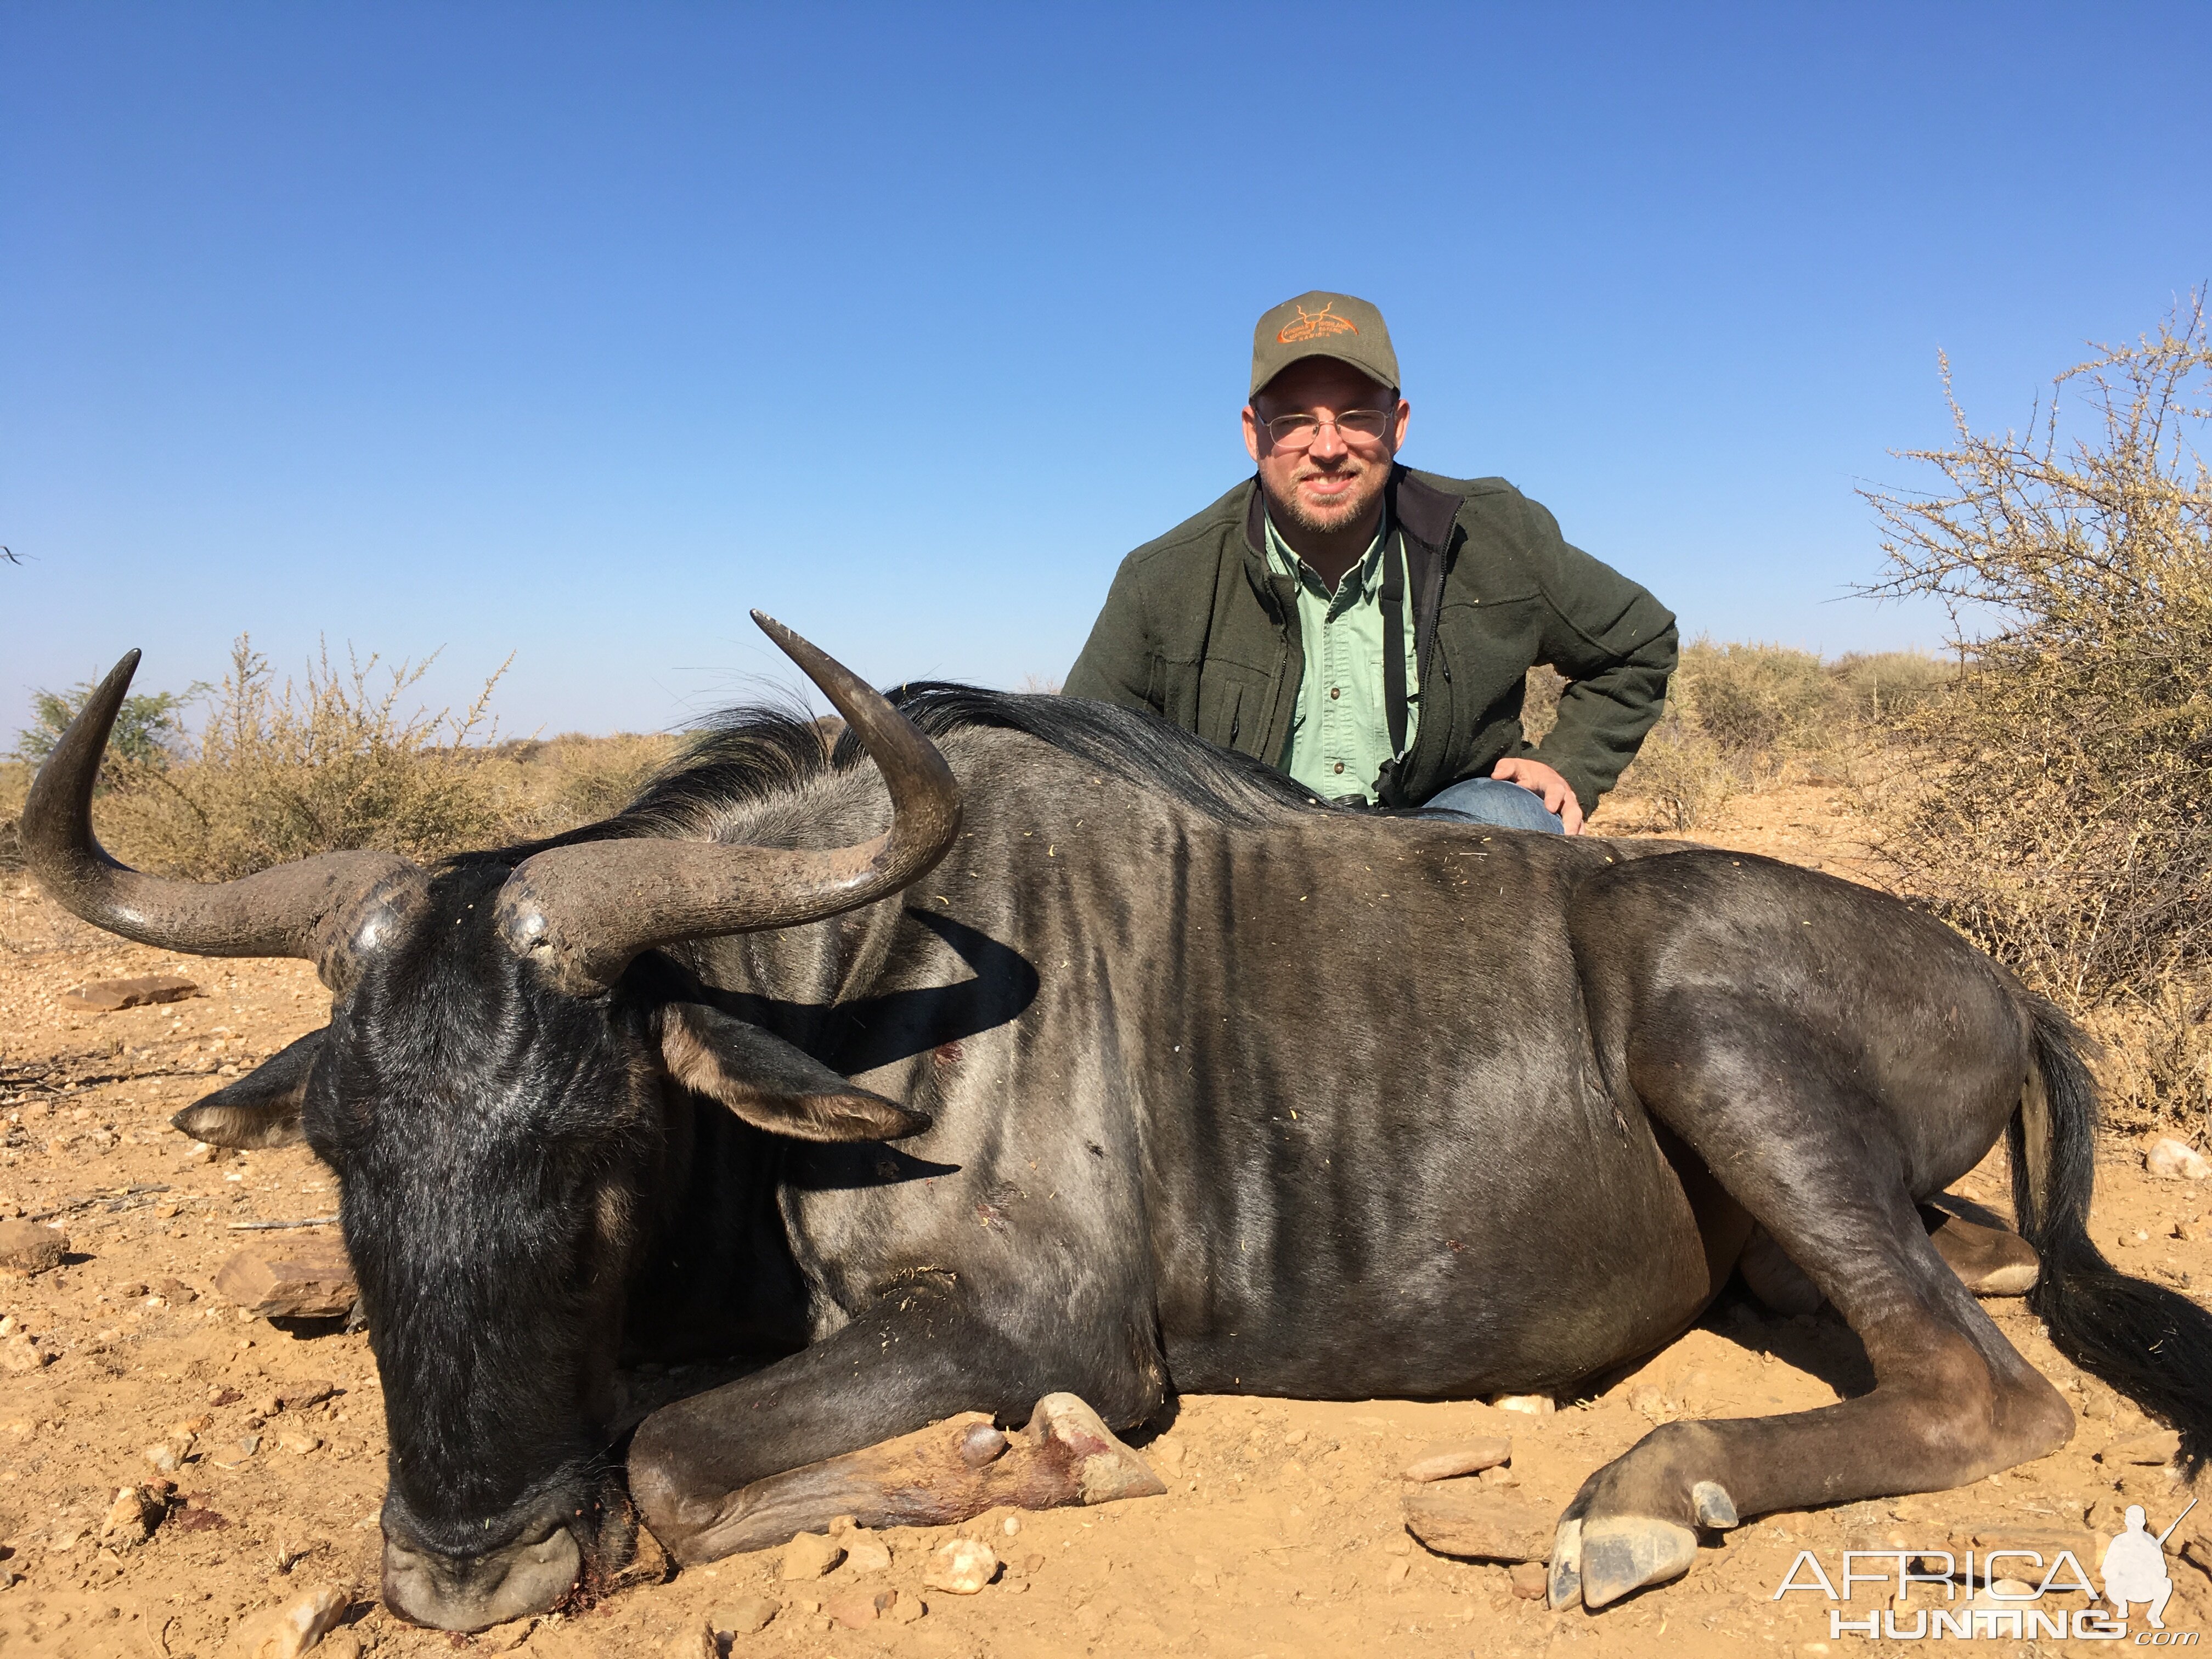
(1335, 484)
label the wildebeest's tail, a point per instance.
(2152, 1344)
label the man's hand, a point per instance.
(1538, 779)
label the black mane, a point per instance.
(753, 754)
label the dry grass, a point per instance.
(337, 761)
(2056, 806)
(1740, 718)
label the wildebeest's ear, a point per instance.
(262, 1109)
(771, 1084)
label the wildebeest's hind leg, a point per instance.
(1786, 1123)
(881, 1421)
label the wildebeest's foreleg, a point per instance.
(857, 1424)
(1786, 1125)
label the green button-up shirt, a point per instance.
(1340, 735)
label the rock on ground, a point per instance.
(2174, 1158)
(1443, 1460)
(745, 1617)
(108, 996)
(858, 1607)
(30, 1246)
(293, 1628)
(960, 1566)
(1479, 1523)
(299, 1278)
(809, 1556)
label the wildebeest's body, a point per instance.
(1224, 1092)
(1251, 1097)
(1275, 1103)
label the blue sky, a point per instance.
(574, 331)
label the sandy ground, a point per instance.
(1281, 1536)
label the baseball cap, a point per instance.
(1322, 325)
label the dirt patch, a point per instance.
(1281, 1536)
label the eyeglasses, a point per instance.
(1354, 425)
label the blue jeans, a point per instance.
(1493, 800)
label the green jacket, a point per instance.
(1196, 628)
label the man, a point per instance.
(1368, 628)
(2134, 1567)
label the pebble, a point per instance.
(296, 1626)
(864, 1555)
(1532, 1405)
(809, 1556)
(22, 1352)
(694, 1642)
(168, 1456)
(1531, 1580)
(859, 1608)
(30, 1246)
(235, 1456)
(961, 1566)
(1448, 1459)
(746, 1616)
(108, 996)
(297, 1441)
(906, 1609)
(135, 1513)
(2172, 1159)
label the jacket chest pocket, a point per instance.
(1488, 648)
(1231, 707)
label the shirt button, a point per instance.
(1334, 694)
(1340, 766)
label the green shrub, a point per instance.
(149, 726)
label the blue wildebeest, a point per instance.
(1057, 1051)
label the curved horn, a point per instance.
(309, 910)
(585, 911)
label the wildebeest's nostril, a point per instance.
(458, 1593)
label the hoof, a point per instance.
(1625, 1552)
(1715, 1507)
(1565, 1586)
(1989, 1260)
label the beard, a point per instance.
(1325, 522)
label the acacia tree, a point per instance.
(2060, 816)
(148, 727)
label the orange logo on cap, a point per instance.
(1314, 323)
